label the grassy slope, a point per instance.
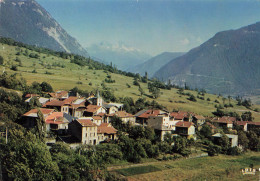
(67, 78)
(207, 168)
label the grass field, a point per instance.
(220, 167)
(69, 75)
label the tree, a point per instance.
(46, 87)
(243, 140)
(213, 150)
(247, 116)
(41, 126)
(141, 91)
(192, 98)
(205, 131)
(1, 60)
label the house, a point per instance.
(125, 117)
(55, 121)
(57, 105)
(185, 128)
(113, 107)
(59, 95)
(224, 122)
(92, 110)
(161, 120)
(199, 120)
(29, 118)
(143, 115)
(106, 132)
(242, 124)
(84, 130)
(42, 100)
(77, 107)
(98, 120)
(181, 116)
(58, 122)
(233, 139)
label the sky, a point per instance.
(152, 26)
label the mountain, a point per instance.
(228, 63)
(121, 55)
(26, 21)
(155, 63)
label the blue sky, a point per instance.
(153, 26)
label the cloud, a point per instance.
(185, 41)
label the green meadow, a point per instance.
(63, 75)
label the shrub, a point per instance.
(14, 68)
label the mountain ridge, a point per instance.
(155, 63)
(28, 22)
(221, 64)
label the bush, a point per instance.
(14, 68)
(192, 98)
(234, 151)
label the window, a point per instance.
(86, 134)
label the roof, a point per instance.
(241, 123)
(121, 114)
(54, 103)
(86, 122)
(228, 135)
(180, 115)
(56, 118)
(69, 100)
(151, 112)
(109, 105)
(184, 124)
(254, 123)
(97, 117)
(92, 108)
(58, 94)
(199, 117)
(225, 119)
(106, 128)
(31, 95)
(211, 125)
(33, 112)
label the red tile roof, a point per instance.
(199, 117)
(86, 122)
(54, 118)
(121, 114)
(106, 128)
(31, 95)
(97, 117)
(241, 123)
(54, 103)
(184, 124)
(253, 123)
(58, 94)
(45, 112)
(224, 119)
(149, 113)
(70, 100)
(211, 125)
(92, 108)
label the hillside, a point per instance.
(228, 64)
(155, 63)
(62, 74)
(121, 55)
(26, 21)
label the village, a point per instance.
(79, 120)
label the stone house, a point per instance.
(84, 130)
(185, 128)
